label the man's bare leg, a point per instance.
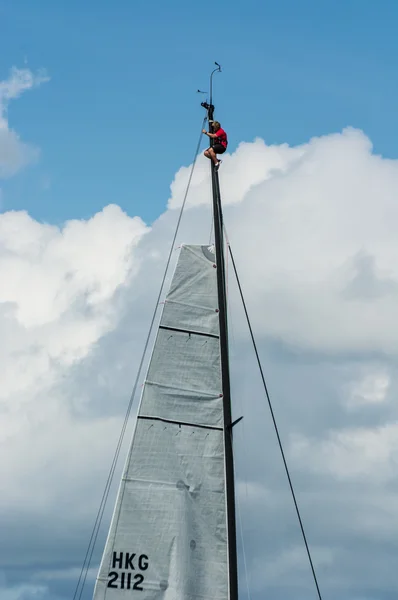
(213, 156)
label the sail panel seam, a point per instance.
(172, 421)
(190, 331)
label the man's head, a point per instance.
(216, 125)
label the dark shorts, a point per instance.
(219, 148)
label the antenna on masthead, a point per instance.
(218, 70)
(209, 105)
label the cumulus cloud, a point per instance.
(15, 154)
(313, 233)
(323, 214)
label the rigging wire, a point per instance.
(242, 542)
(231, 334)
(274, 421)
(94, 534)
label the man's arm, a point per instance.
(211, 135)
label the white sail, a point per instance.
(168, 536)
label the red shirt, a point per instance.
(222, 137)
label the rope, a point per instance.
(98, 520)
(274, 423)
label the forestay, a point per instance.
(168, 537)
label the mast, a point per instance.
(223, 322)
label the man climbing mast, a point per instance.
(220, 143)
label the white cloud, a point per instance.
(313, 233)
(18, 82)
(353, 454)
(58, 291)
(371, 388)
(15, 154)
(57, 286)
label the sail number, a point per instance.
(125, 562)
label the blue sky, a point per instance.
(120, 114)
